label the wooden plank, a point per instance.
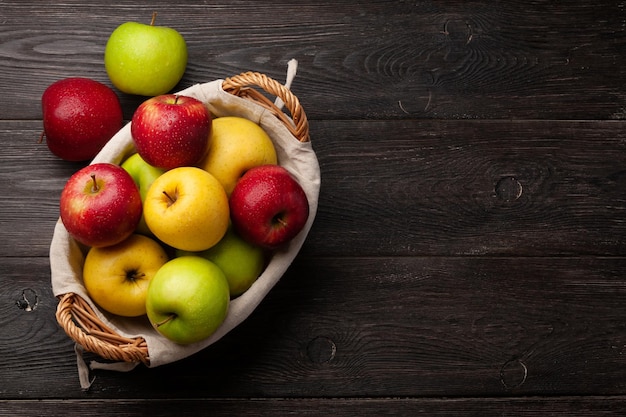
(31, 180)
(528, 188)
(381, 59)
(362, 327)
(486, 407)
(525, 188)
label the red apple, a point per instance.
(268, 207)
(100, 205)
(171, 131)
(80, 115)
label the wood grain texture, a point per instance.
(466, 188)
(378, 59)
(363, 327)
(432, 188)
(396, 407)
(468, 256)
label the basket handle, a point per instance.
(241, 86)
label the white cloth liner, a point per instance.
(67, 256)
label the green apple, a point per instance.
(145, 60)
(241, 262)
(188, 299)
(144, 175)
(187, 208)
(235, 146)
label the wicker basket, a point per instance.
(77, 317)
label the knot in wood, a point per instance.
(508, 189)
(321, 350)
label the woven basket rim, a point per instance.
(242, 85)
(75, 315)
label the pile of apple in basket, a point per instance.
(177, 230)
(186, 217)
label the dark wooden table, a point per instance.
(468, 257)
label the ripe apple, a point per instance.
(236, 145)
(187, 208)
(144, 175)
(188, 299)
(117, 277)
(171, 130)
(145, 60)
(241, 261)
(268, 207)
(100, 205)
(80, 115)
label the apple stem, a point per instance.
(168, 319)
(154, 15)
(135, 276)
(172, 201)
(176, 99)
(43, 135)
(281, 221)
(94, 187)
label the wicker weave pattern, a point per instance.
(239, 85)
(76, 316)
(81, 323)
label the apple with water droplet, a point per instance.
(80, 115)
(100, 205)
(268, 207)
(171, 130)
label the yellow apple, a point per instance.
(187, 208)
(236, 144)
(117, 277)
